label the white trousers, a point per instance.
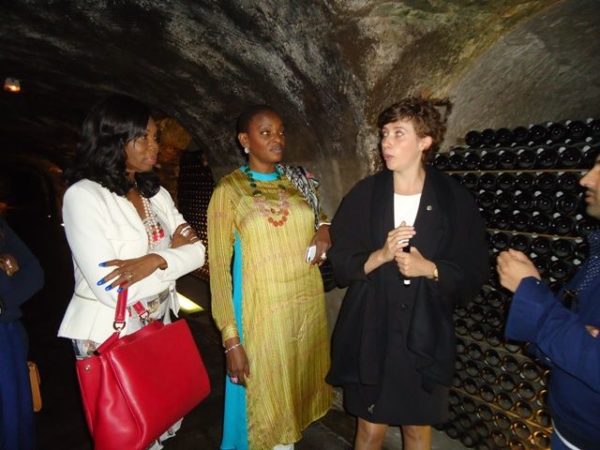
(284, 447)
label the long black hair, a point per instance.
(100, 155)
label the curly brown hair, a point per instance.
(426, 118)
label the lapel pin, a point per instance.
(429, 208)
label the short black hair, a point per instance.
(100, 155)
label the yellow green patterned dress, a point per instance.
(284, 322)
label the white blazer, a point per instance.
(101, 225)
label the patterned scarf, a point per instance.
(306, 184)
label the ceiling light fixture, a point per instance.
(12, 85)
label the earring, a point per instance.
(246, 151)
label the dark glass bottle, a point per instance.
(504, 400)
(507, 382)
(538, 134)
(520, 221)
(540, 223)
(525, 158)
(501, 421)
(547, 158)
(484, 412)
(504, 136)
(504, 200)
(562, 225)
(441, 161)
(562, 248)
(501, 220)
(476, 312)
(510, 364)
(525, 391)
(523, 409)
(540, 246)
(470, 385)
(541, 439)
(558, 132)
(471, 161)
(530, 371)
(493, 337)
(473, 139)
(543, 202)
(477, 332)
(491, 358)
(506, 181)
(521, 430)
(525, 181)
(486, 199)
(520, 135)
(570, 157)
(578, 130)
(561, 270)
(589, 156)
(488, 137)
(519, 242)
(487, 181)
(568, 182)
(494, 299)
(470, 181)
(489, 161)
(541, 263)
(488, 375)
(567, 204)
(542, 417)
(488, 392)
(456, 161)
(586, 225)
(594, 127)
(507, 159)
(546, 182)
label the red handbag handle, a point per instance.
(119, 322)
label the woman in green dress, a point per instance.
(267, 300)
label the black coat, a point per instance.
(450, 232)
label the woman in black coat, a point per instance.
(410, 244)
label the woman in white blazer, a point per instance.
(122, 227)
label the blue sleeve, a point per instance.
(538, 317)
(28, 279)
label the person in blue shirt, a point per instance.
(21, 276)
(566, 337)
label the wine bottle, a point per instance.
(519, 242)
(543, 202)
(470, 181)
(561, 270)
(455, 161)
(525, 158)
(501, 421)
(525, 391)
(501, 220)
(521, 430)
(507, 382)
(568, 182)
(540, 222)
(471, 161)
(489, 161)
(562, 225)
(510, 364)
(594, 127)
(504, 200)
(546, 182)
(541, 439)
(525, 181)
(578, 130)
(538, 134)
(488, 137)
(487, 181)
(504, 136)
(520, 221)
(540, 246)
(507, 159)
(504, 400)
(520, 135)
(523, 409)
(589, 156)
(567, 204)
(441, 162)
(506, 181)
(473, 139)
(488, 375)
(486, 199)
(558, 133)
(546, 158)
(570, 157)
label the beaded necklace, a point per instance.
(282, 209)
(153, 227)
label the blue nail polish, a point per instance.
(100, 282)
(102, 264)
(108, 288)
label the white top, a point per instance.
(101, 225)
(405, 209)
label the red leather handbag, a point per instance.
(136, 386)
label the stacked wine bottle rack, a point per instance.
(196, 185)
(526, 182)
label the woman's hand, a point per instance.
(396, 240)
(130, 271)
(322, 241)
(8, 264)
(184, 234)
(238, 367)
(414, 264)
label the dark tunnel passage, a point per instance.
(329, 68)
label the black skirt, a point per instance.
(400, 398)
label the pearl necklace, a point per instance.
(153, 228)
(281, 210)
